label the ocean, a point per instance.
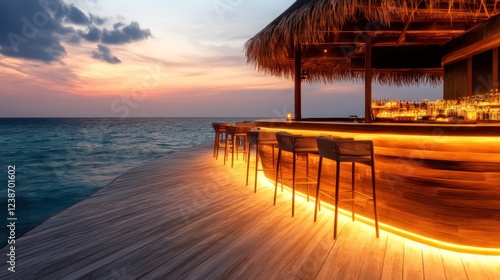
(61, 161)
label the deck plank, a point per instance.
(308, 263)
(373, 259)
(433, 264)
(412, 262)
(393, 258)
(453, 266)
(341, 248)
(186, 215)
(478, 267)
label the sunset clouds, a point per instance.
(122, 58)
(39, 29)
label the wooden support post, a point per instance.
(298, 84)
(368, 83)
(469, 76)
(495, 69)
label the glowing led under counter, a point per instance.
(439, 183)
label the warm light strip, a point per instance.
(406, 234)
(374, 136)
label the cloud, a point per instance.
(93, 34)
(76, 16)
(29, 30)
(104, 53)
(125, 34)
(97, 20)
(38, 29)
(121, 34)
(118, 25)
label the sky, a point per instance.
(154, 58)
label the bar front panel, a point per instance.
(434, 181)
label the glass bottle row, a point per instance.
(477, 108)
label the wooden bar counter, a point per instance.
(437, 182)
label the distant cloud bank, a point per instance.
(37, 29)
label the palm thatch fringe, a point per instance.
(329, 72)
(306, 21)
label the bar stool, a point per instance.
(297, 145)
(236, 133)
(353, 151)
(259, 138)
(220, 136)
(244, 140)
(326, 151)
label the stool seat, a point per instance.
(347, 150)
(259, 138)
(297, 145)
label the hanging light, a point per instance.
(304, 75)
(360, 49)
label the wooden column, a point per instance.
(495, 69)
(368, 83)
(469, 76)
(298, 84)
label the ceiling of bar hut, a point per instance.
(408, 38)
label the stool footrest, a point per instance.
(356, 199)
(332, 196)
(367, 197)
(267, 169)
(297, 181)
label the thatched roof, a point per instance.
(330, 33)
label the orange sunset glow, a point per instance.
(238, 139)
(178, 59)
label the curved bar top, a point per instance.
(431, 128)
(439, 182)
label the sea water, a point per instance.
(59, 162)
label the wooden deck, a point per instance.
(187, 216)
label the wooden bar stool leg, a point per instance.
(225, 149)
(352, 191)
(318, 204)
(216, 151)
(307, 175)
(293, 184)
(245, 146)
(281, 171)
(234, 145)
(272, 147)
(336, 200)
(256, 165)
(216, 142)
(242, 144)
(248, 164)
(223, 139)
(374, 197)
(277, 172)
